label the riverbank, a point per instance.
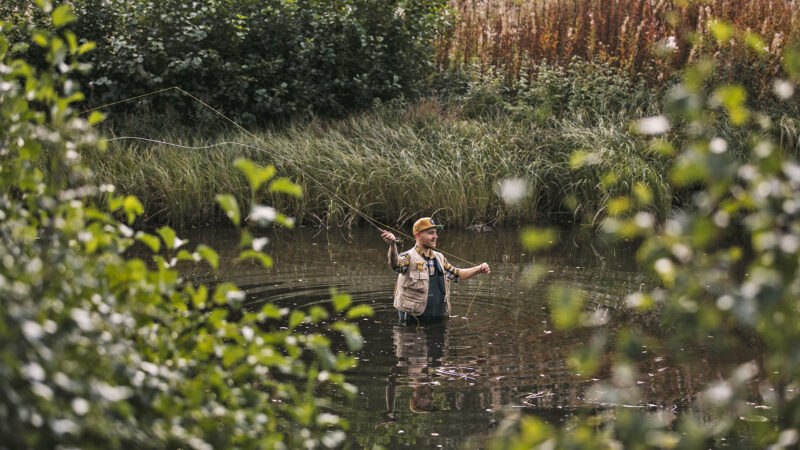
(400, 161)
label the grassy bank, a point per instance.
(393, 163)
(561, 133)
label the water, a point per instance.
(449, 385)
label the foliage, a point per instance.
(729, 270)
(641, 38)
(102, 350)
(391, 163)
(258, 61)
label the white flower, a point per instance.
(512, 190)
(259, 243)
(784, 89)
(654, 125)
(265, 213)
(718, 146)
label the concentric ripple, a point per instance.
(448, 384)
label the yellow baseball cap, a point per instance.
(424, 224)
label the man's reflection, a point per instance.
(419, 350)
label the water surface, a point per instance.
(448, 385)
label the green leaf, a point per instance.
(132, 208)
(535, 239)
(351, 335)
(270, 311)
(286, 186)
(232, 355)
(733, 98)
(198, 296)
(265, 260)
(40, 38)
(754, 418)
(96, 117)
(149, 240)
(296, 318)
(86, 47)
(62, 15)
(619, 206)
(566, 305)
(255, 174)
(359, 311)
(168, 235)
(755, 42)
(340, 300)
(722, 31)
(588, 359)
(791, 61)
(226, 293)
(209, 255)
(228, 204)
(643, 194)
(317, 313)
(72, 41)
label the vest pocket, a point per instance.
(414, 292)
(415, 284)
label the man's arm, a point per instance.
(466, 274)
(389, 238)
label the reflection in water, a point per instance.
(449, 384)
(419, 351)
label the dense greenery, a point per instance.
(255, 60)
(561, 135)
(729, 270)
(102, 350)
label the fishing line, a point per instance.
(375, 223)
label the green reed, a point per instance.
(393, 163)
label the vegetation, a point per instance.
(257, 61)
(102, 350)
(560, 135)
(452, 157)
(642, 38)
(717, 290)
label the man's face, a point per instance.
(428, 238)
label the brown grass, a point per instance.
(516, 35)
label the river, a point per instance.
(450, 385)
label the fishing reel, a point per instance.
(398, 243)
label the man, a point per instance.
(423, 286)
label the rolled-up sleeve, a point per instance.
(403, 260)
(451, 272)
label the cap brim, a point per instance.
(438, 227)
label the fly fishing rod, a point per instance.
(373, 222)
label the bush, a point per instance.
(102, 350)
(260, 61)
(728, 268)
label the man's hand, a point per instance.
(466, 274)
(388, 237)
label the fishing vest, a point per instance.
(411, 290)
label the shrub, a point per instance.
(728, 267)
(260, 61)
(102, 350)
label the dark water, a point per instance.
(449, 385)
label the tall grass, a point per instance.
(402, 159)
(394, 163)
(650, 38)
